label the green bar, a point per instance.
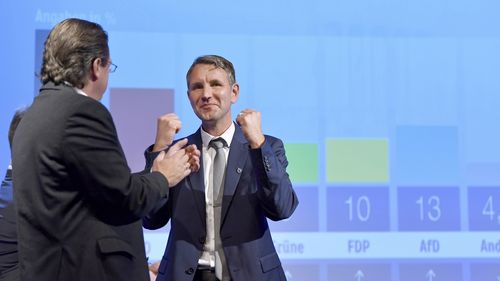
(302, 162)
(357, 160)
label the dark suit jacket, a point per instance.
(256, 187)
(8, 232)
(79, 208)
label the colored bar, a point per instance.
(357, 161)
(302, 162)
(135, 112)
(426, 155)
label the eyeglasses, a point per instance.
(112, 67)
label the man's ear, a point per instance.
(95, 71)
(235, 93)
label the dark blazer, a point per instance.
(79, 208)
(8, 233)
(256, 187)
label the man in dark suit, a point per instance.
(226, 237)
(9, 269)
(79, 207)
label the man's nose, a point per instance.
(207, 93)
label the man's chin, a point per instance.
(206, 116)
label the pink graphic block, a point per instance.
(135, 112)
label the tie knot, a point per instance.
(217, 143)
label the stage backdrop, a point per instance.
(389, 111)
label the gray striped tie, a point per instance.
(218, 171)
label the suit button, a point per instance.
(201, 240)
(189, 271)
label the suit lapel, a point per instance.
(195, 181)
(238, 154)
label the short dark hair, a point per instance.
(218, 62)
(70, 49)
(18, 115)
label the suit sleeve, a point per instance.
(276, 194)
(160, 214)
(96, 159)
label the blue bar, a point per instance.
(426, 155)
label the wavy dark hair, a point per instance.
(218, 62)
(70, 49)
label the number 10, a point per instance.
(362, 208)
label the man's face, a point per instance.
(210, 94)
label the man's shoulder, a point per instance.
(192, 138)
(66, 99)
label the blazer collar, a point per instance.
(238, 155)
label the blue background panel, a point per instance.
(421, 74)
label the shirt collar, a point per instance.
(79, 91)
(227, 136)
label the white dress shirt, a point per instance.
(207, 258)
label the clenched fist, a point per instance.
(167, 126)
(250, 123)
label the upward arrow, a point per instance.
(359, 275)
(430, 275)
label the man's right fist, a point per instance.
(167, 126)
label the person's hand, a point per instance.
(250, 123)
(153, 270)
(174, 164)
(194, 157)
(167, 126)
